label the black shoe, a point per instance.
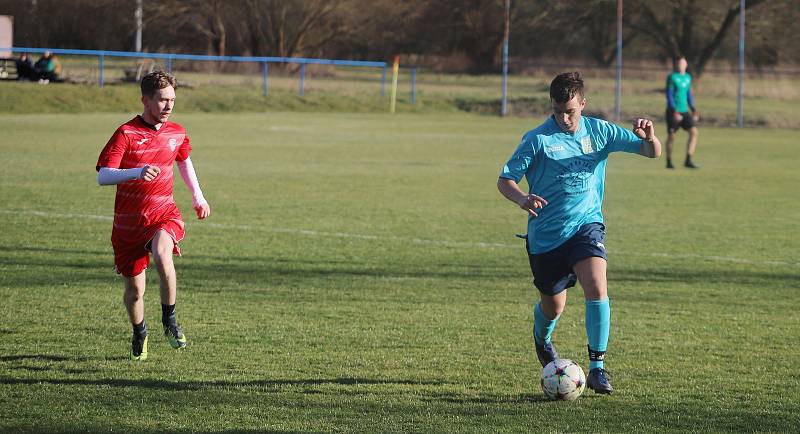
(598, 382)
(689, 165)
(546, 353)
(669, 164)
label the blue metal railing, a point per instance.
(174, 56)
(264, 60)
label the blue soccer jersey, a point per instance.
(568, 170)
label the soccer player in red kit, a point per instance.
(138, 159)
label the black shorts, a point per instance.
(552, 270)
(686, 123)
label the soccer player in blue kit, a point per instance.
(564, 162)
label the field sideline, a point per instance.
(359, 273)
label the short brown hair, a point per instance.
(565, 86)
(157, 80)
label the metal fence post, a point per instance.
(383, 81)
(302, 79)
(169, 65)
(740, 90)
(413, 85)
(506, 31)
(265, 77)
(101, 70)
(618, 85)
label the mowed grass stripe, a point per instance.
(366, 237)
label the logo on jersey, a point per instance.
(586, 145)
(601, 245)
(555, 148)
(143, 141)
(576, 176)
(172, 144)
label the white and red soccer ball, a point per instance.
(563, 380)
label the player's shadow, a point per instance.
(273, 386)
(259, 270)
(242, 431)
(51, 358)
(41, 357)
(490, 399)
(92, 267)
(50, 262)
(738, 277)
(277, 386)
(51, 363)
(58, 269)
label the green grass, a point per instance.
(359, 273)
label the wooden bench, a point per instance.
(8, 68)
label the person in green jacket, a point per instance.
(681, 112)
(47, 68)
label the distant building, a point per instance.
(6, 34)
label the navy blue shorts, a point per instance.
(552, 270)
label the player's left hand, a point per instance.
(202, 209)
(644, 129)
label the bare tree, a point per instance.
(688, 28)
(475, 27)
(541, 30)
(599, 20)
(285, 28)
(205, 17)
(481, 35)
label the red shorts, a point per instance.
(132, 248)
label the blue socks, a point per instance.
(542, 326)
(598, 325)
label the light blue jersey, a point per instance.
(568, 170)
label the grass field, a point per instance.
(359, 273)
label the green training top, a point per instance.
(679, 92)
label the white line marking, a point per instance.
(463, 244)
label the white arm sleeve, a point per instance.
(190, 178)
(111, 176)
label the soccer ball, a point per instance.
(563, 380)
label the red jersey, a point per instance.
(143, 207)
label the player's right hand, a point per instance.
(202, 209)
(678, 117)
(149, 173)
(531, 203)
